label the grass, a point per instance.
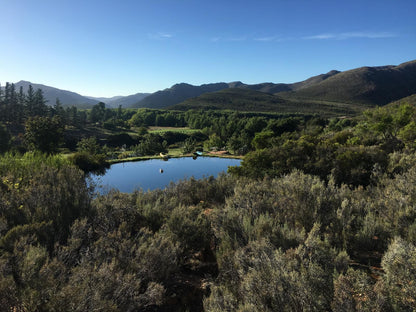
(160, 130)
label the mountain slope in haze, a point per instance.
(67, 98)
(127, 101)
(106, 99)
(177, 93)
(366, 85)
(266, 87)
(269, 87)
(124, 101)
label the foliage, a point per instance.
(44, 133)
(88, 162)
(5, 138)
(189, 145)
(320, 216)
(150, 144)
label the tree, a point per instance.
(58, 110)
(4, 139)
(262, 139)
(44, 133)
(214, 142)
(30, 102)
(40, 108)
(89, 145)
(189, 145)
(151, 144)
(97, 113)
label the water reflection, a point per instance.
(158, 173)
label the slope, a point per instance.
(67, 98)
(249, 100)
(181, 92)
(177, 93)
(365, 85)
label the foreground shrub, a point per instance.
(88, 162)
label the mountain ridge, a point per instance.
(183, 91)
(367, 86)
(51, 94)
(70, 98)
(378, 85)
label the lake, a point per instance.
(157, 173)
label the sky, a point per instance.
(106, 48)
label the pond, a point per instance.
(158, 173)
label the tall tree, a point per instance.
(58, 110)
(97, 113)
(30, 102)
(1, 103)
(44, 133)
(4, 139)
(40, 107)
(13, 105)
(21, 98)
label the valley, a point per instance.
(316, 213)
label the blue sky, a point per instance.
(108, 48)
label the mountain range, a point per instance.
(69, 98)
(347, 91)
(183, 91)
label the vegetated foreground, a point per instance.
(287, 243)
(320, 216)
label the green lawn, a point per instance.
(160, 130)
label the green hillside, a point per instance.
(365, 85)
(407, 100)
(249, 100)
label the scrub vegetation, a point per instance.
(320, 216)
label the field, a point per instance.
(160, 130)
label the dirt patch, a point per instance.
(219, 153)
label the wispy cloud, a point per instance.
(351, 35)
(248, 38)
(266, 39)
(160, 36)
(228, 39)
(237, 39)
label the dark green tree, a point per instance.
(97, 113)
(4, 139)
(44, 133)
(58, 110)
(30, 102)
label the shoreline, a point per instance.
(142, 158)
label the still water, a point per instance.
(158, 173)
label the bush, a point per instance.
(87, 162)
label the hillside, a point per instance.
(407, 100)
(234, 99)
(365, 85)
(126, 101)
(349, 92)
(360, 88)
(67, 98)
(182, 92)
(249, 100)
(176, 94)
